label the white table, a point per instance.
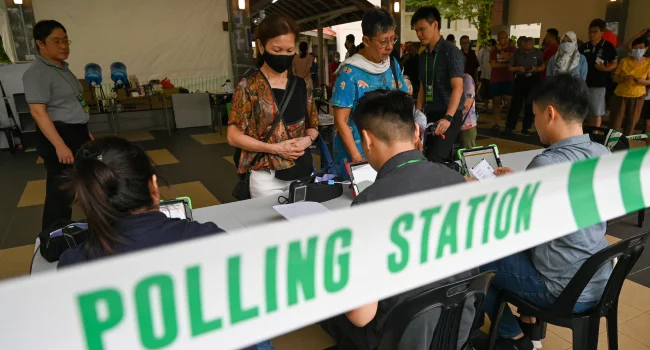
(240, 215)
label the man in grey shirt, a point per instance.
(55, 99)
(527, 63)
(385, 121)
(541, 274)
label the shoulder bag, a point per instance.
(242, 189)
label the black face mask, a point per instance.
(278, 63)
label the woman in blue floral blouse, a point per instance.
(368, 70)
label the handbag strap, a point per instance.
(394, 70)
(283, 106)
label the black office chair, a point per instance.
(450, 299)
(584, 325)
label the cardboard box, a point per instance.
(156, 102)
(136, 104)
(88, 97)
(85, 85)
(169, 92)
(121, 94)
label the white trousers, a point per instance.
(263, 183)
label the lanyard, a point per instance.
(66, 80)
(426, 69)
(409, 162)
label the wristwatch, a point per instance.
(449, 118)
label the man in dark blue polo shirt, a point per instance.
(388, 131)
(442, 66)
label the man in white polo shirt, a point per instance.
(55, 99)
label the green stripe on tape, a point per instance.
(581, 193)
(630, 180)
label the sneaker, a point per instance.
(510, 344)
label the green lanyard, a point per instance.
(78, 96)
(66, 80)
(429, 88)
(409, 162)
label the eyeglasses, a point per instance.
(384, 43)
(59, 42)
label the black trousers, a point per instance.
(523, 87)
(438, 149)
(346, 335)
(58, 201)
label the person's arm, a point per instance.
(496, 64)
(542, 65)
(361, 316)
(516, 69)
(584, 69)
(454, 104)
(312, 121)
(45, 124)
(619, 76)
(420, 101)
(341, 117)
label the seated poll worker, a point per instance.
(117, 187)
(275, 147)
(388, 131)
(539, 275)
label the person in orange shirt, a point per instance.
(632, 76)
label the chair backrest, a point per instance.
(450, 299)
(599, 135)
(626, 251)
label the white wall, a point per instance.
(154, 38)
(353, 28)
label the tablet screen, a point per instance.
(174, 209)
(363, 175)
(473, 157)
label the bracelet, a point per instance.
(311, 138)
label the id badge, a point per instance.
(83, 103)
(429, 93)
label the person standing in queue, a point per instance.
(55, 99)
(274, 160)
(366, 71)
(442, 67)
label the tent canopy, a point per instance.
(307, 13)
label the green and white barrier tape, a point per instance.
(233, 290)
(614, 136)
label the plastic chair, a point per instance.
(584, 325)
(450, 299)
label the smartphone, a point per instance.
(600, 61)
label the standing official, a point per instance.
(55, 99)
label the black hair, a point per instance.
(640, 40)
(272, 26)
(111, 179)
(377, 21)
(464, 37)
(554, 33)
(567, 93)
(387, 114)
(303, 47)
(598, 23)
(44, 28)
(450, 37)
(350, 38)
(492, 41)
(428, 13)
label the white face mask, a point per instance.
(567, 47)
(638, 53)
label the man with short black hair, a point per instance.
(350, 46)
(540, 274)
(56, 102)
(602, 60)
(385, 121)
(442, 67)
(471, 61)
(526, 64)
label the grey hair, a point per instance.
(377, 21)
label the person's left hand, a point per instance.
(503, 171)
(630, 78)
(443, 125)
(304, 142)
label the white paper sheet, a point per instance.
(483, 171)
(363, 176)
(297, 210)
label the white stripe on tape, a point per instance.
(230, 291)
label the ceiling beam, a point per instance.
(332, 14)
(362, 4)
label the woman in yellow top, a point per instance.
(632, 76)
